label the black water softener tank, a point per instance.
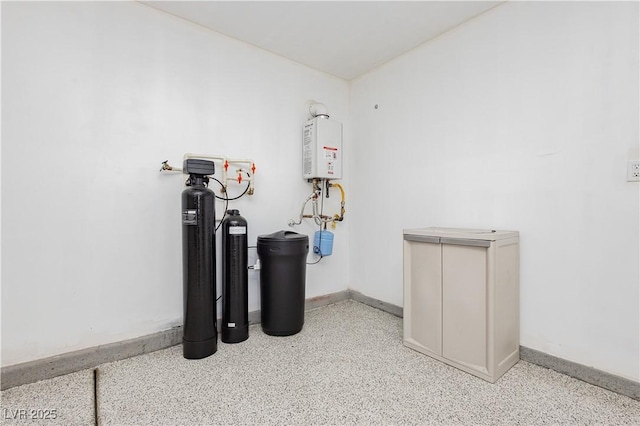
(235, 304)
(283, 259)
(200, 337)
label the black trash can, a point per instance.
(283, 260)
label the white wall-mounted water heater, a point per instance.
(322, 148)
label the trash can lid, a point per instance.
(284, 236)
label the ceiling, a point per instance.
(342, 38)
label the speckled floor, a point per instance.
(347, 366)
(64, 400)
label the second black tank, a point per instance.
(235, 310)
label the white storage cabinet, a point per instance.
(461, 298)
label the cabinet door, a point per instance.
(423, 296)
(464, 305)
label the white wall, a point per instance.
(95, 96)
(521, 119)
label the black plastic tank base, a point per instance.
(280, 332)
(235, 335)
(283, 256)
(199, 350)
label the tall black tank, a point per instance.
(200, 337)
(235, 303)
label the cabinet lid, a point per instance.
(462, 233)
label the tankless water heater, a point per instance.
(322, 149)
